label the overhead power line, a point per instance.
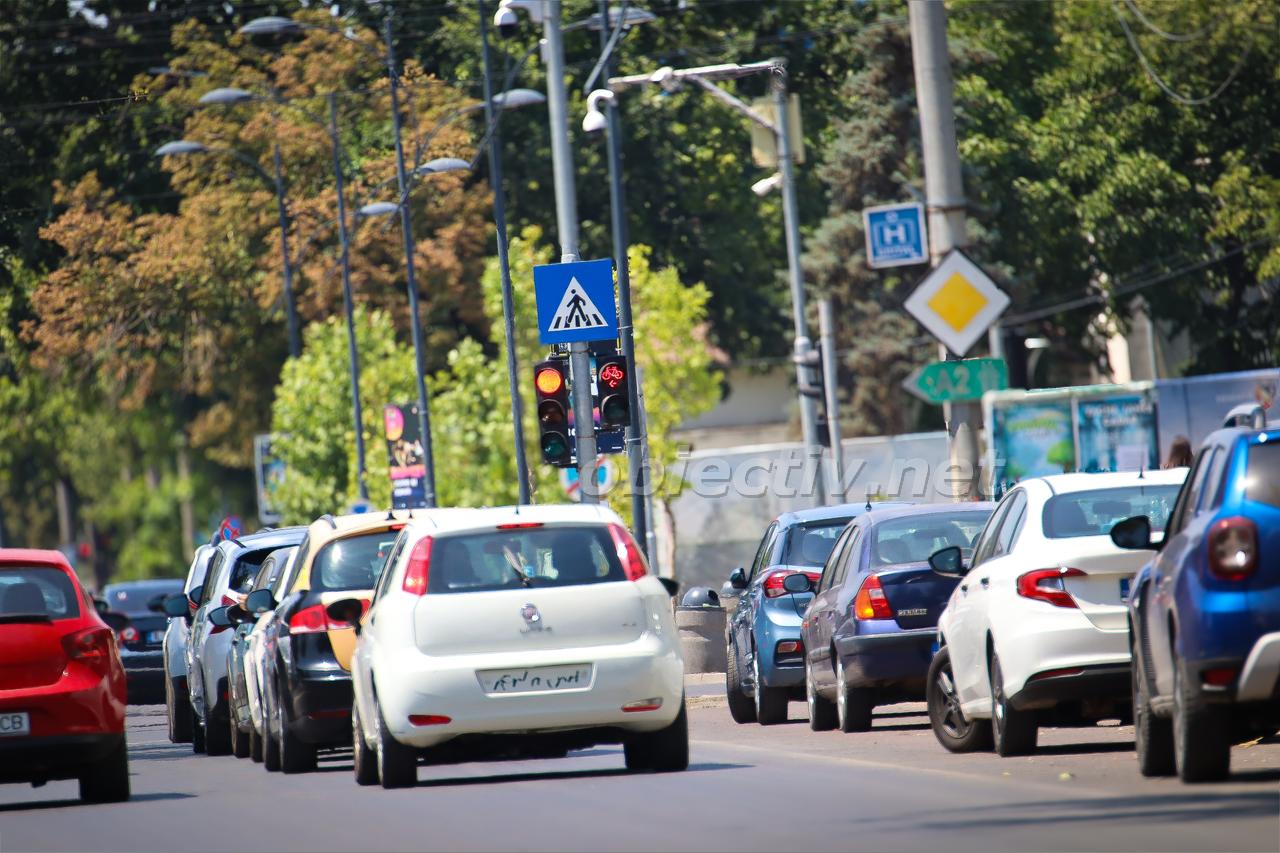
(1165, 34)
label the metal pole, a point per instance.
(567, 225)
(504, 265)
(827, 340)
(348, 301)
(945, 198)
(295, 347)
(791, 214)
(635, 437)
(406, 229)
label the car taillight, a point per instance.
(91, 645)
(315, 619)
(1233, 548)
(1047, 585)
(870, 602)
(228, 601)
(628, 552)
(789, 647)
(415, 574)
(429, 720)
(773, 587)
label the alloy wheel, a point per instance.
(953, 720)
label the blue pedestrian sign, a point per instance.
(896, 235)
(575, 302)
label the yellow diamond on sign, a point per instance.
(957, 302)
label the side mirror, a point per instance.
(237, 615)
(175, 605)
(218, 617)
(156, 603)
(797, 582)
(195, 594)
(1132, 533)
(738, 578)
(260, 601)
(347, 610)
(948, 562)
(670, 585)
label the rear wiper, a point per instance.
(11, 618)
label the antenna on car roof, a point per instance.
(329, 518)
(868, 500)
(234, 541)
(391, 516)
(1142, 471)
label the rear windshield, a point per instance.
(511, 559)
(1262, 484)
(811, 544)
(132, 599)
(37, 591)
(1095, 512)
(913, 539)
(354, 562)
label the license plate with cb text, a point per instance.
(14, 723)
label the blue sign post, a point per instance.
(896, 235)
(575, 302)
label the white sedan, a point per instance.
(1038, 625)
(515, 632)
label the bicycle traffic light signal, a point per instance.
(551, 389)
(611, 385)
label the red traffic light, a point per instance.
(612, 375)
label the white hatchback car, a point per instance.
(515, 632)
(1038, 621)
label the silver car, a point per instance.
(177, 699)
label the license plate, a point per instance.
(538, 679)
(15, 723)
(1124, 589)
(155, 638)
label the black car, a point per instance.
(142, 638)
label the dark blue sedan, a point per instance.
(868, 633)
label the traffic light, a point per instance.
(611, 383)
(551, 388)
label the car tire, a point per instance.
(1202, 750)
(239, 740)
(1152, 735)
(822, 711)
(951, 727)
(217, 736)
(663, 751)
(363, 759)
(771, 702)
(853, 704)
(741, 706)
(255, 746)
(197, 734)
(397, 764)
(1014, 732)
(270, 743)
(178, 706)
(107, 780)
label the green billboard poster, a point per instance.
(1033, 438)
(1117, 433)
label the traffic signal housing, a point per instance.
(551, 389)
(611, 385)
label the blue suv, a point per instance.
(763, 646)
(1204, 615)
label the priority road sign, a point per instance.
(896, 235)
(957, 302)
(958, 381)
(575, 302)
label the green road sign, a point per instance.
(958, 381)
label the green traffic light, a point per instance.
(614, 411)
(555, 447)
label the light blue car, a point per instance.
(764, 649)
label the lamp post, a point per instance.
(183, 147)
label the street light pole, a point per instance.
(348, 301)
(504, 264)
(406, 229)
(291, 314)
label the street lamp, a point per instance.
(186, 146)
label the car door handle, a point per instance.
(985, 582)
(964, 587)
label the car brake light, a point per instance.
(91, 645)
(429, 719)
(790, 647)
(870, 602)
(1047, 585)
(309, 620)
(415, 574)
(1218, 677)
(628, 552)
(1233, 548)
(520, 525)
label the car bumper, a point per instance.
(1261, 670)
(892, 658)
(1097, 682)
(82, 702)
(1055, 638)
(775, 625)
(648, 668)
(41, 759)
(320, 709)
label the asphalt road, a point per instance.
(748, 788)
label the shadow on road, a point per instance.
(900, 727)
(62, 804)
(1084, 748)
(599, 773)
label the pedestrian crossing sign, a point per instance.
(575, 302)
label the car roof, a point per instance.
(889, 513)
(836, 512)
(458, 519)
(1232, 434)
(144, 582)
(271, 539)
(1081, 482)
(37, 556)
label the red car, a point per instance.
(62, 686)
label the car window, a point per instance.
(1262, 474)
(131, 599)
(352, 562)
(281, 587)
(810, 544)
(986, 540)
(536, 557)
(1012, 524)
(265, 574)
(913, 538)
(384, 576)
(766, 543)
(832, 565)
(37, 590)
(245, 570)
(211, 576)
(849, 556)
(1094, 512)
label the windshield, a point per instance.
(811, 544)
(1095, 512)
(37, 591)
(131, 599)
(510, 559)
(353, 562)
(913, 539)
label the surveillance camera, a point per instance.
(766, 185)
(665, 77)
(506, 21)
(594, 122)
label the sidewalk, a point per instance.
(704, 690)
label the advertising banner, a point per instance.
(268, 470)
(1117, 433)
(1032, 438)
(405, 456)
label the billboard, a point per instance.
(1032, 438)
(268, 471)
(1117, 433)
(405, 456)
